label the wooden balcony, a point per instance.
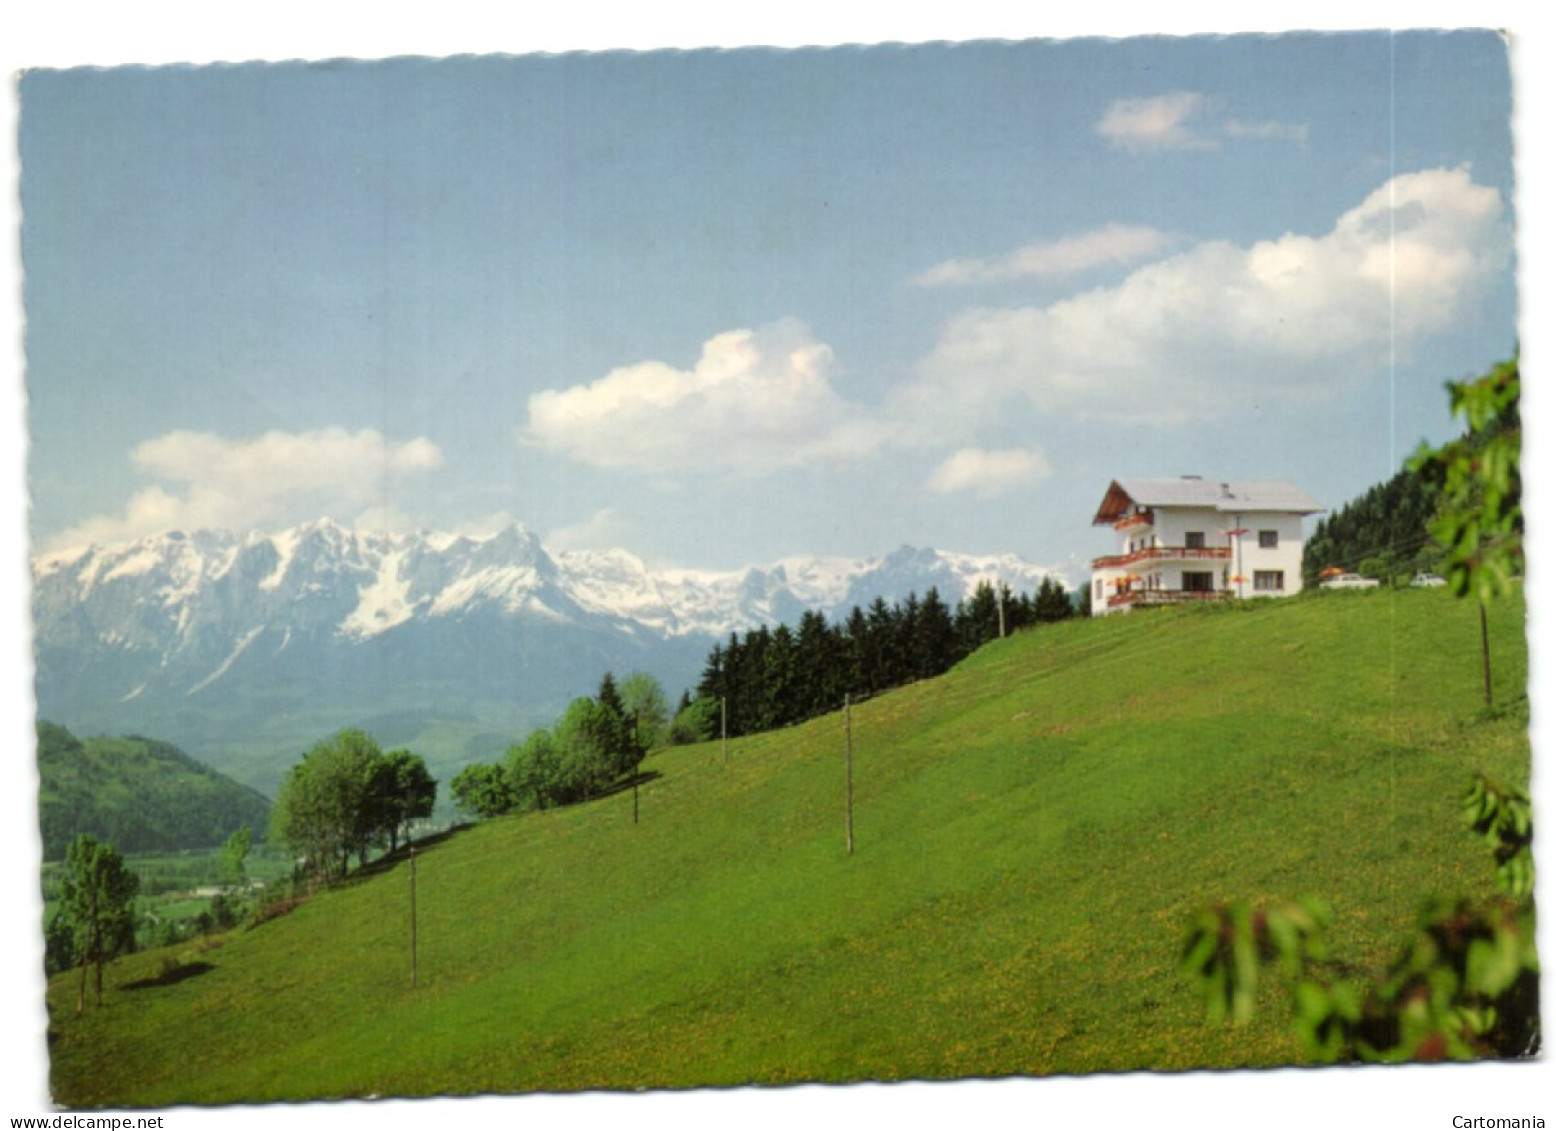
(1148, 597)
(1144, 518)
(1165, 554)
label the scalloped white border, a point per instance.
(66, 33)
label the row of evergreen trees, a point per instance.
(1381, 534)
(775, 677)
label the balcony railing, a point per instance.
(1164, 554)
(1144, 518)
(1167, 597)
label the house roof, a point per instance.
(1228, 496)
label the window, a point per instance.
(1269, 539)
(1269, 580)
(1194, 539)
(1198, 582)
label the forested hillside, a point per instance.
(136, 793)
(1381, 534)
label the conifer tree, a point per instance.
(1387, 526)
(714, 683)
(819, 676)
(854, 642)
(1053, 603)
(934, 637)
(1020, 611)
(978, 618)
(881, 649)
(903, 658)
(749, 703)
(614, 732)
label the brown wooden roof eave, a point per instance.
(1114, 504)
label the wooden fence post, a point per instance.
(848, 762)
(413, 917)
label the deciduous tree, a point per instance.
(698, 721)
(235, 854)
(97, 898)
(647, 711)
(330, 804)
(1465, 984)
(1480, 515)
(482, 790)
(533, 769)
(406, 792)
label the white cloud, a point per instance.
(988, 473)
(223, 483)
(1184, 120)
(384, 520)
(1285, 319)
(606, 529)
(1110, 245)
(755, 400)
(281, 463)
(1162, 122)
(480, 529)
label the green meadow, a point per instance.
(1031, 832)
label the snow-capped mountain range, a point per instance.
(222, 639)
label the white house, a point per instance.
(1194, 539)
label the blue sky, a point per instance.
(722, 307)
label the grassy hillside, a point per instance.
(138, 794)
(1032, 830)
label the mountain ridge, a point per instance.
(226, 642)
(401, 575)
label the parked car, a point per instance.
(1348, 581)
(1427, 581)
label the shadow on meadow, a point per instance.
(172, 973)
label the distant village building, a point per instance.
(1193, 539)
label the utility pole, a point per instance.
(413, 917)
(848, 763)
(724, 726)
(1000, 601)
(1485, 650)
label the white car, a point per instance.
(1348, 581)
(1427, 581)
